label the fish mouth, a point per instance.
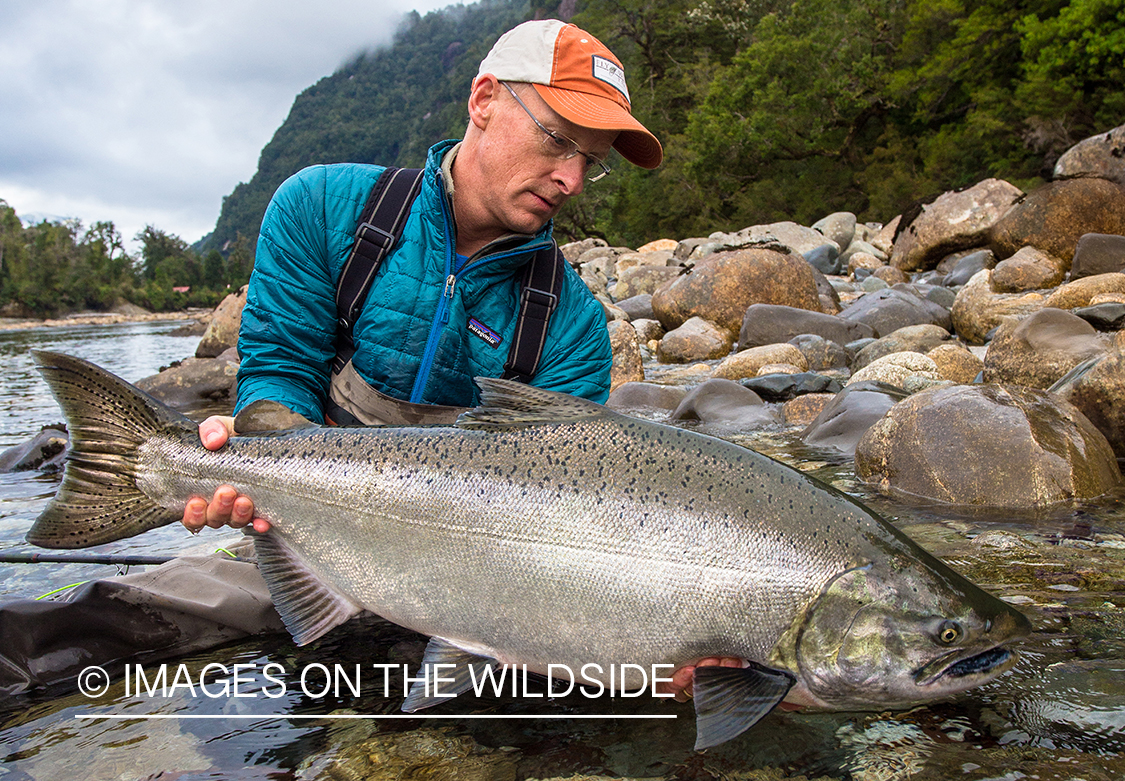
(967, 671)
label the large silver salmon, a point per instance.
(543, 529)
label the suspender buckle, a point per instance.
(374, 234)
(540, 298)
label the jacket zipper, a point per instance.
(441, 315)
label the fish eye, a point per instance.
(949, 632)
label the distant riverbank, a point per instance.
(104, 318)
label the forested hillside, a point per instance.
(768, 109)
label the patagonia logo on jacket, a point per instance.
(477, 328)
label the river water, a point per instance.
(1060, 714)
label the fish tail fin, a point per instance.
(108, 419)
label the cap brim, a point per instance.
(635, 143)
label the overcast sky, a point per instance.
(148, 112)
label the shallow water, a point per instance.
(1059, 714)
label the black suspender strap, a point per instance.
(539, 295)
(380, 226)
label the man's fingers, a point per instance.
(195, 514)
(215, 431)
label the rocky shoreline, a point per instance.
(969, 353)
(104, 318)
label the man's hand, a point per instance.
(682, 678)
(227, 506)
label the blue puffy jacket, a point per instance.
(412, 338)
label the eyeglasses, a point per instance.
(560, 147)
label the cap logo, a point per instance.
(611, 73)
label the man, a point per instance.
(547, 105)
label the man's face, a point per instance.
(525, 183)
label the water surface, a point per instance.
(1059, 714)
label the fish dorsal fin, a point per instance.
(506, 404)
(731, 700)
(308, 606)
(453, 682)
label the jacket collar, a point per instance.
(439, 180)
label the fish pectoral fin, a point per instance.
(309, 607)
(731, 700)
(467, 668)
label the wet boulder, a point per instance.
(954, 221)
(820, 353)
(966, 266)
(1082, 292)
(722, 286)
(987, 447)
(771, 324)
(1041, 348)
(846, 418)
(747, 363)
(222, 331)
(1028, 269)
(1055, 216)
(1098, 253)
(908, 370)
(645, 395)
(627, 362)
(956, 363)
(195, 382)
(696, 339)
(1108, 316)
(1101, 156)
(825, 258)
(1098, 390)
(45, 451)
(725, 405)
(785, 386)
(912, 338)
(888, 310)
(978, 309)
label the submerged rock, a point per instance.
(846, 418)
(987, 446)
(45, 451)
(726, 405)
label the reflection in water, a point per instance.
(1060, 713)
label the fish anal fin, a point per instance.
(730, 700)
(454, 681)
(309, 607)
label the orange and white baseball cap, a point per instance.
(578, 77)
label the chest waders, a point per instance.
(351, 400)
